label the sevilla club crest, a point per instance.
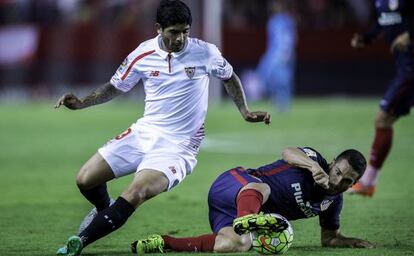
(190, 71)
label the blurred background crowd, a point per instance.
(47, 46)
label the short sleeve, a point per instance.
(315, 156)
(330, 218)
(126, 76)
(218, 65)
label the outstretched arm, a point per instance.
(334, 238)
(98, 96)
(359, 41)
(298, 158)
(235, 90)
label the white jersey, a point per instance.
(175, 84)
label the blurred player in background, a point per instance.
(395, 20)
(276, 68)
(301, 185)
(161, 147)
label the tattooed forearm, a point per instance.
(235, 90)
(100, 95)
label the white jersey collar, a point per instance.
(164, 54)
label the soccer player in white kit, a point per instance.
(161, 147)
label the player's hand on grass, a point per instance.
(334, 238)
(363, 244)
(349, 242)
(70, 101)
(257, 116)
(401, 43)
(357, 41)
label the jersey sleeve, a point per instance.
(126, 76)
(218, 66)
(330, 218)
(315, 156)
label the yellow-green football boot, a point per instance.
(153, 243)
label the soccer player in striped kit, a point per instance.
(301, 185)
(161, 147)
(395, 20)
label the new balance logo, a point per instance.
(155, 73)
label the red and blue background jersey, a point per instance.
(394, 17)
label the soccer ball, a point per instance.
(274, 242)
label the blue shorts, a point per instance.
(222, 197)
(399, 98)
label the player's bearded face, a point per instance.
(341, 177)
(175, 37)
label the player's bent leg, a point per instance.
(228, 241)
(91, 181)
(90, 216)
(146, 184)
(94, 172)
(263, 188)
(249, 201)
(379, 151)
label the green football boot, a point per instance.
(154, 243)
(73, 247)
(259, 222)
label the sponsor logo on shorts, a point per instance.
(172, 169)
(122, 135)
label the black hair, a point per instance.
(172, 12)
(355, 159)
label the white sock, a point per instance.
(370, 177)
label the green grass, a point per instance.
(42, 150)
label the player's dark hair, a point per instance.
(355, 159)
(172, 12)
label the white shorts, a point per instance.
(141, 147)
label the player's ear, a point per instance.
(158, 28)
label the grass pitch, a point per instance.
(42, 149)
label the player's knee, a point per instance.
(384, 120)
(263, 188)
(234, 244)
(244, 243)
(379, 122)
(82, 179)
(225, 245)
